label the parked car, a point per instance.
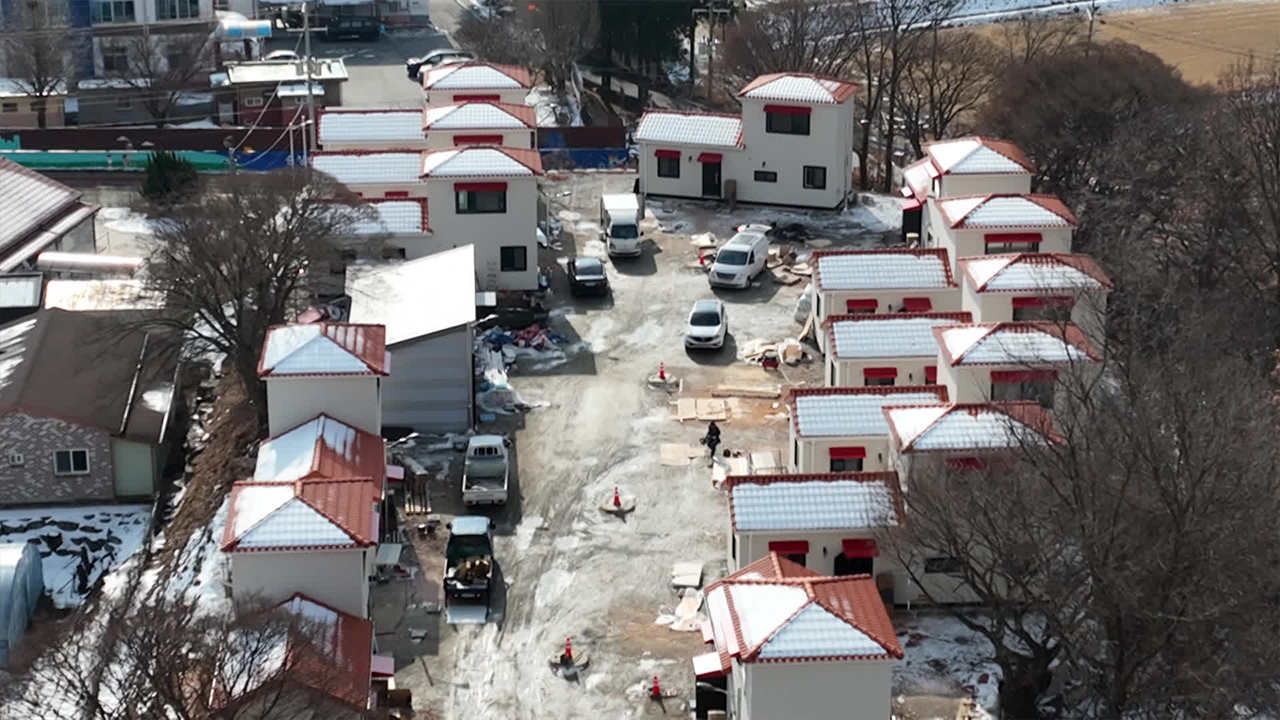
(485, 471)
(740, 260)
(620, 217)
(357, 28)
(282, 55)
(468, 570)
(708, 325)
(436, 58)
(586, 277)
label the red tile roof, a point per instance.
(940, 253)
(1002, 147)
(1068, 333)
(524, 113)
(1027, 412)
(355, 455)
(840, 90)
(964, 317)
(1083, 263)
(368, 343)
(1048, 202)
(890, 480)
(519, 74)
(347, 505)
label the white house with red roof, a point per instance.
(994, 224)
(790, 643)
(375, 173)
(445, 126)
(476, 81)
(961, 435)
(791, 145)
(841, 429)
(972, 165)
(324, 368)
(1036, 286)
(1009, 361)
(381, 129)
(884, 350)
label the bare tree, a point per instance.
(165, 68)
(792, 36)
(34, 46)
(560, 33)
(1033, 36)
(945, 84)
(493, 38)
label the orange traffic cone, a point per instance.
(617, 499)
(568, 648)
(662, 371)
(656, 692)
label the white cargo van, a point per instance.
(740, 260)
(620, 217)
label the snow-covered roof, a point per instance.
(1014, 343)
(888, 335)
(304, 515)
(690, 128)
(978, 156)
(917, 176)
(104, 294)
(826, 501)
(395, 294)
(355, 167)
(798, 87)
(396, 216)
(776, 611)
(324, 349)
(389, 125)
(10, 87)
(884, 269)
(1034, 272)
(853, 411)
(481, 162)
(479, 116)
(1006, 211)
(967, 427)
(321, 448)
(278, 71)
(477, 76)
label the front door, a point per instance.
(711, 179)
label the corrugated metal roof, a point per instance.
(990, 426)
(310, 514)
(477, 76)
(816, 632)
(395, 294)
(481, 162)
(882, 269)
(366, 168)
(813, 504)
(798, 87)
(324, 349)
(28, 200)
(890, 337)
(335, 656)
(354, 126)
(681, 128)
(1034, 272)
(1015, 343)
(321, 448)
(850, 414)
(978, 156)
(480, 116)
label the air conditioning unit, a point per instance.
(17, 460)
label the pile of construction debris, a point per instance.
(789, 266)
(789, 351)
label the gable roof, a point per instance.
(799, 87)
(393, 294)
(321, 448)
(29, 200)
(1005, 211)
(882, 269)
(814, 501)
(976, 155)
(481, 161)
(80, 367)
(304, 515)
(477, 76)
(776, 611)
(967, 426)
(854, 411)
(477, 115)
(1014, 343)
(1034, 272)
(888, 335)
(389, 125)
(357, 167)
(690, 128)
(324, 349)
(916, 178)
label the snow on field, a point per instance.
(125, 220)
(78, 544)
(945, 658)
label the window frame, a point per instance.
(523, 256)
(846, 464)
(774, 124)
(470, 207)
(172, 9)
(672, 167)
(114, 12)
(1016, 246)
(119, 57)
(805, 177)
(943, 566)
(773, 176)
(10, 107)
(878, 381)
(71, 454)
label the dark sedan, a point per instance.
(586, 277)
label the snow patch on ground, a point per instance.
(99, 537)
(945, 658)
(867, 220)
(125, 220)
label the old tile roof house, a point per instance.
(37, 214)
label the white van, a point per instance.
(620, 217)
(740, 260)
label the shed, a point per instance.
(21, 584)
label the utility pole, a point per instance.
(711, 13)
(311, 98)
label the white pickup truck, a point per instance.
(485, 471)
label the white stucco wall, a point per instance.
(444, 139)
(813, 453)
(292, 401)
(444, 97)
(689, 184)
(430, 390)
(967, 243)
(339, 578)
(489, 232)
(849, 690)
(961, 185)
(848, 373)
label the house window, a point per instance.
(943, 565)
(108, 11)
(865, 306)
(476, 202)
(1012, 242)
(857, 557)
(878, 382)
(71, 462)
(514, 258)
(114, 60)
(815, 177)
(786, 123)
(846, 459)
(669, 167)
(846, 464)
(1037, 386)
(795, 453)
(766, 176)
(393, 253)
(174, 59)
(733, 547)
(9, 107)
(177, 9)
(1053, 309)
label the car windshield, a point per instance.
(704, 318)
(732, 257)
(462, 547)
(590, 267)
(624, 232)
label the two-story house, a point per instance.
(841, 429)
(972, 165)
(884, 350)
(476, 81)
(1053, 287)
(790, 644)
(324, 368)
(791, 145)
(1009, 361)
(996, 224)
(446, 126)
(886, 280)
(374, 174)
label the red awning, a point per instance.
(395, 473)
(710, 157)
(1012, 238)
(931, 373)
(667, 153)
(707, 665)
(847, 453)
(917, 304)
(964, 464)
(910, 204)
(477, 139)
(382, 666)
(480, 187)
(855, 305)
(790, 547)
(476, 98)
(857, 548)
(1044, 301)
(788, 109)
(1021, 376)
(879, 373)
(396, 194)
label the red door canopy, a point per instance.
(710, 157)
(790, 547)
(917, 304)
(859, 548)
(479, 187)
(788, 109)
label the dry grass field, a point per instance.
(1201, 40)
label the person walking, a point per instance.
(712, 440)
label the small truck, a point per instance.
(468, 570)
(485, 471)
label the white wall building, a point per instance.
(791, 145)
(1008, 361)
(372, 174)
(379, 130)
(1036, 286)
(843, 430)
(881, 350)
(476, 81)
(324, 368)
(995, 224)
(968, 166)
